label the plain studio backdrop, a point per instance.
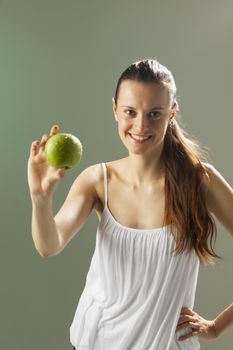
(59, 63)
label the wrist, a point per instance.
(215, 329)
(41, 200)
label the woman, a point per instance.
(155, 227)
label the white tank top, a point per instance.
(135, 289)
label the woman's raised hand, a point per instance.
(42, 177)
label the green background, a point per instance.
(59, 63)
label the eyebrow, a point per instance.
(151, 108)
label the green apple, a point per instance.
(63, 150)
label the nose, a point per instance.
(140, 123)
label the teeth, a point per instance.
(140, 138)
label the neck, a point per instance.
(145, 169)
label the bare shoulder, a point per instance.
(215, 178)
(113, 171)
(220, 197)
(94, 175)
(210, 178)
(113, 167)
(87, 181)
(209, 168)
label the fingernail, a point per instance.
(62, 171)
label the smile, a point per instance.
(139, 139)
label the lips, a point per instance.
(140, 139)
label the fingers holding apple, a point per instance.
(42, 177)
(50, 158)
(43, 141)
(53, 131)
(61, 150)
(37, 147)
(34, 148)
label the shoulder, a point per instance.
(212, 175)
(112, 167)
(215, 178)
(218, 190)
(95, 172)
(87, 180)
(209, 171)
(93, 176)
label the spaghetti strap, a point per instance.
(105, 184)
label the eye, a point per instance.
(152, 115)
(155, 114)
(129, 111)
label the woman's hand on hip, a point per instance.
(200, 327)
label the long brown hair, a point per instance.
(185, 172)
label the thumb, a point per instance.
(61, 172)
(52, 182)
(56, 175)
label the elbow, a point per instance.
(45, 254)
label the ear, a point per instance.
(173, 110)
(114, 107)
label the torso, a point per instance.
(132, 207)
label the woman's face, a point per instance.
(142, 110)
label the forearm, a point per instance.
(224, 320)
(44, 230)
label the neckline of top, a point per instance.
(126, 228)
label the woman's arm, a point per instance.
(220, 202)
(219, 197)
(52, 233)
(224, 320)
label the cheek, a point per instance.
(161, 126)
(123, 124)
(160, 129)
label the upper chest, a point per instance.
(141, 208)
